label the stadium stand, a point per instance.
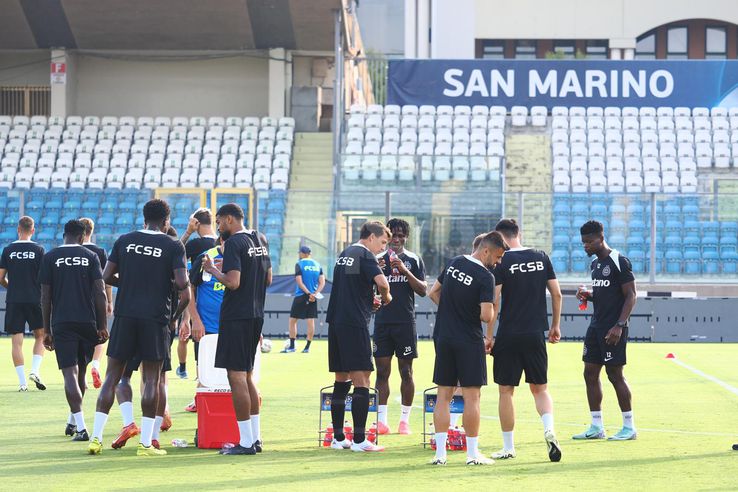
(107, 167)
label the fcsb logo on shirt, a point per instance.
(531, 266)
(345, 260)
(258, 251)
(23, 255)
(462, 277)
(73, 261)
(140, 249)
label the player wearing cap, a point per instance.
(246, 274)
(73, 306)
(103, 257)
(142, 265)
(522, 278)
(613, 295)
(394, 324)
(20, 263)
(309, 280)
(349, 347)
(201, 223)
(464, 294)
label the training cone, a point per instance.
(670, 356)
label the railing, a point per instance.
(25, 100)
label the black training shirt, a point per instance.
(22, 261)
(101, 254)
(523, 274)
(196, 247)
(246, 252)
(466, 283)
(352, 294)
(71, 271)
(402, 307)
(608, 277)
(146, 263)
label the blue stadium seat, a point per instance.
(673, 242)
(692, 227)
(638, 260)
(674, 227)
(560, 208)
(11, 219)
(13, 205)
(106, 220)
(50, 219)
(580, 262)
(561, 241)
(673, 211)
(67, 217)
(710, 244)
(46, 235)
(618, 226)
(617, 240)
(710, 228)
(692, 243)
(598, 210)
(636, 243)
(711, 262)
(692, 263)
(127, 205)
(34, 206)
(618, 209)
(7, 235)
(729, 262)
(580, 208)
(729, 229)
(125, 219)
(728, 243)
(637, 226)
(690, 212)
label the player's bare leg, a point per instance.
(506, 409)
(38, 355)
(16, 341)
(293, 336)
(255, 416)
(544, 406)
(95, 370)
(239, 381)
(105, 400)
(441, 422)
(74, 391)
(616, 377)
(407, 392)
(472, 416)
(150, 378)
(182, 356)
(384, 369)
(310, 334)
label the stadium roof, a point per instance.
(167, 24)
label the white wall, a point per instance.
(590, 19)
(452, 29)
(30, 67)
(217, 87)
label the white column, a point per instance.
(423, 28)
(615, 54)
(277, 86)
(411, 34)
(63, 84)
(628, 54)
(288, 83)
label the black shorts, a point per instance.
(460, 363)
(20, 314)
(140, 338)
(399, 339)
(74, 343)
(349, 348)
(134, 364)
(515, 353)
(238, 341)
(596, 351)
(303, 309)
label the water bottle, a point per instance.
(393, 257)
(462, 439)
(206, 276)
(328, 436)
(372, 435)
(583, 301)
(179, 443)
(348, 431)
(433, 437)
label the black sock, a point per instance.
(182, 366)
(360, 411)
(307, 345)
(338, 408)
(292, 343)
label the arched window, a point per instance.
(646, 46)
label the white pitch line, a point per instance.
(715, 380)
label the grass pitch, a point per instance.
(686, 426)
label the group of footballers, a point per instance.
(65, 297)
(501, 280)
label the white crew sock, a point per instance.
(36, 365)
(441, 438)
(405, 413)
(157, 427)
(126, 411)
(508, 442)
(147, 430)
(70, 420)
(100, 421)
(597, 419)
(244, 430)
(628, 420)
(79, 419)
(548, 422)
(95, 364)
(255, 428)
(472, 447)
(383, 414)
(455, 419)
(21, 371)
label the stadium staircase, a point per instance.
(528, 169)
(309, 198)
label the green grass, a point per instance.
(686, 427)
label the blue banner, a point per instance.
(550, 83)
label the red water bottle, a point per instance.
(372, 435)
(462, 439)
(583, 300)
(328, 436)
(433, 437)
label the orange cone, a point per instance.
(670, 356)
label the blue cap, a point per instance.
(305, 250)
